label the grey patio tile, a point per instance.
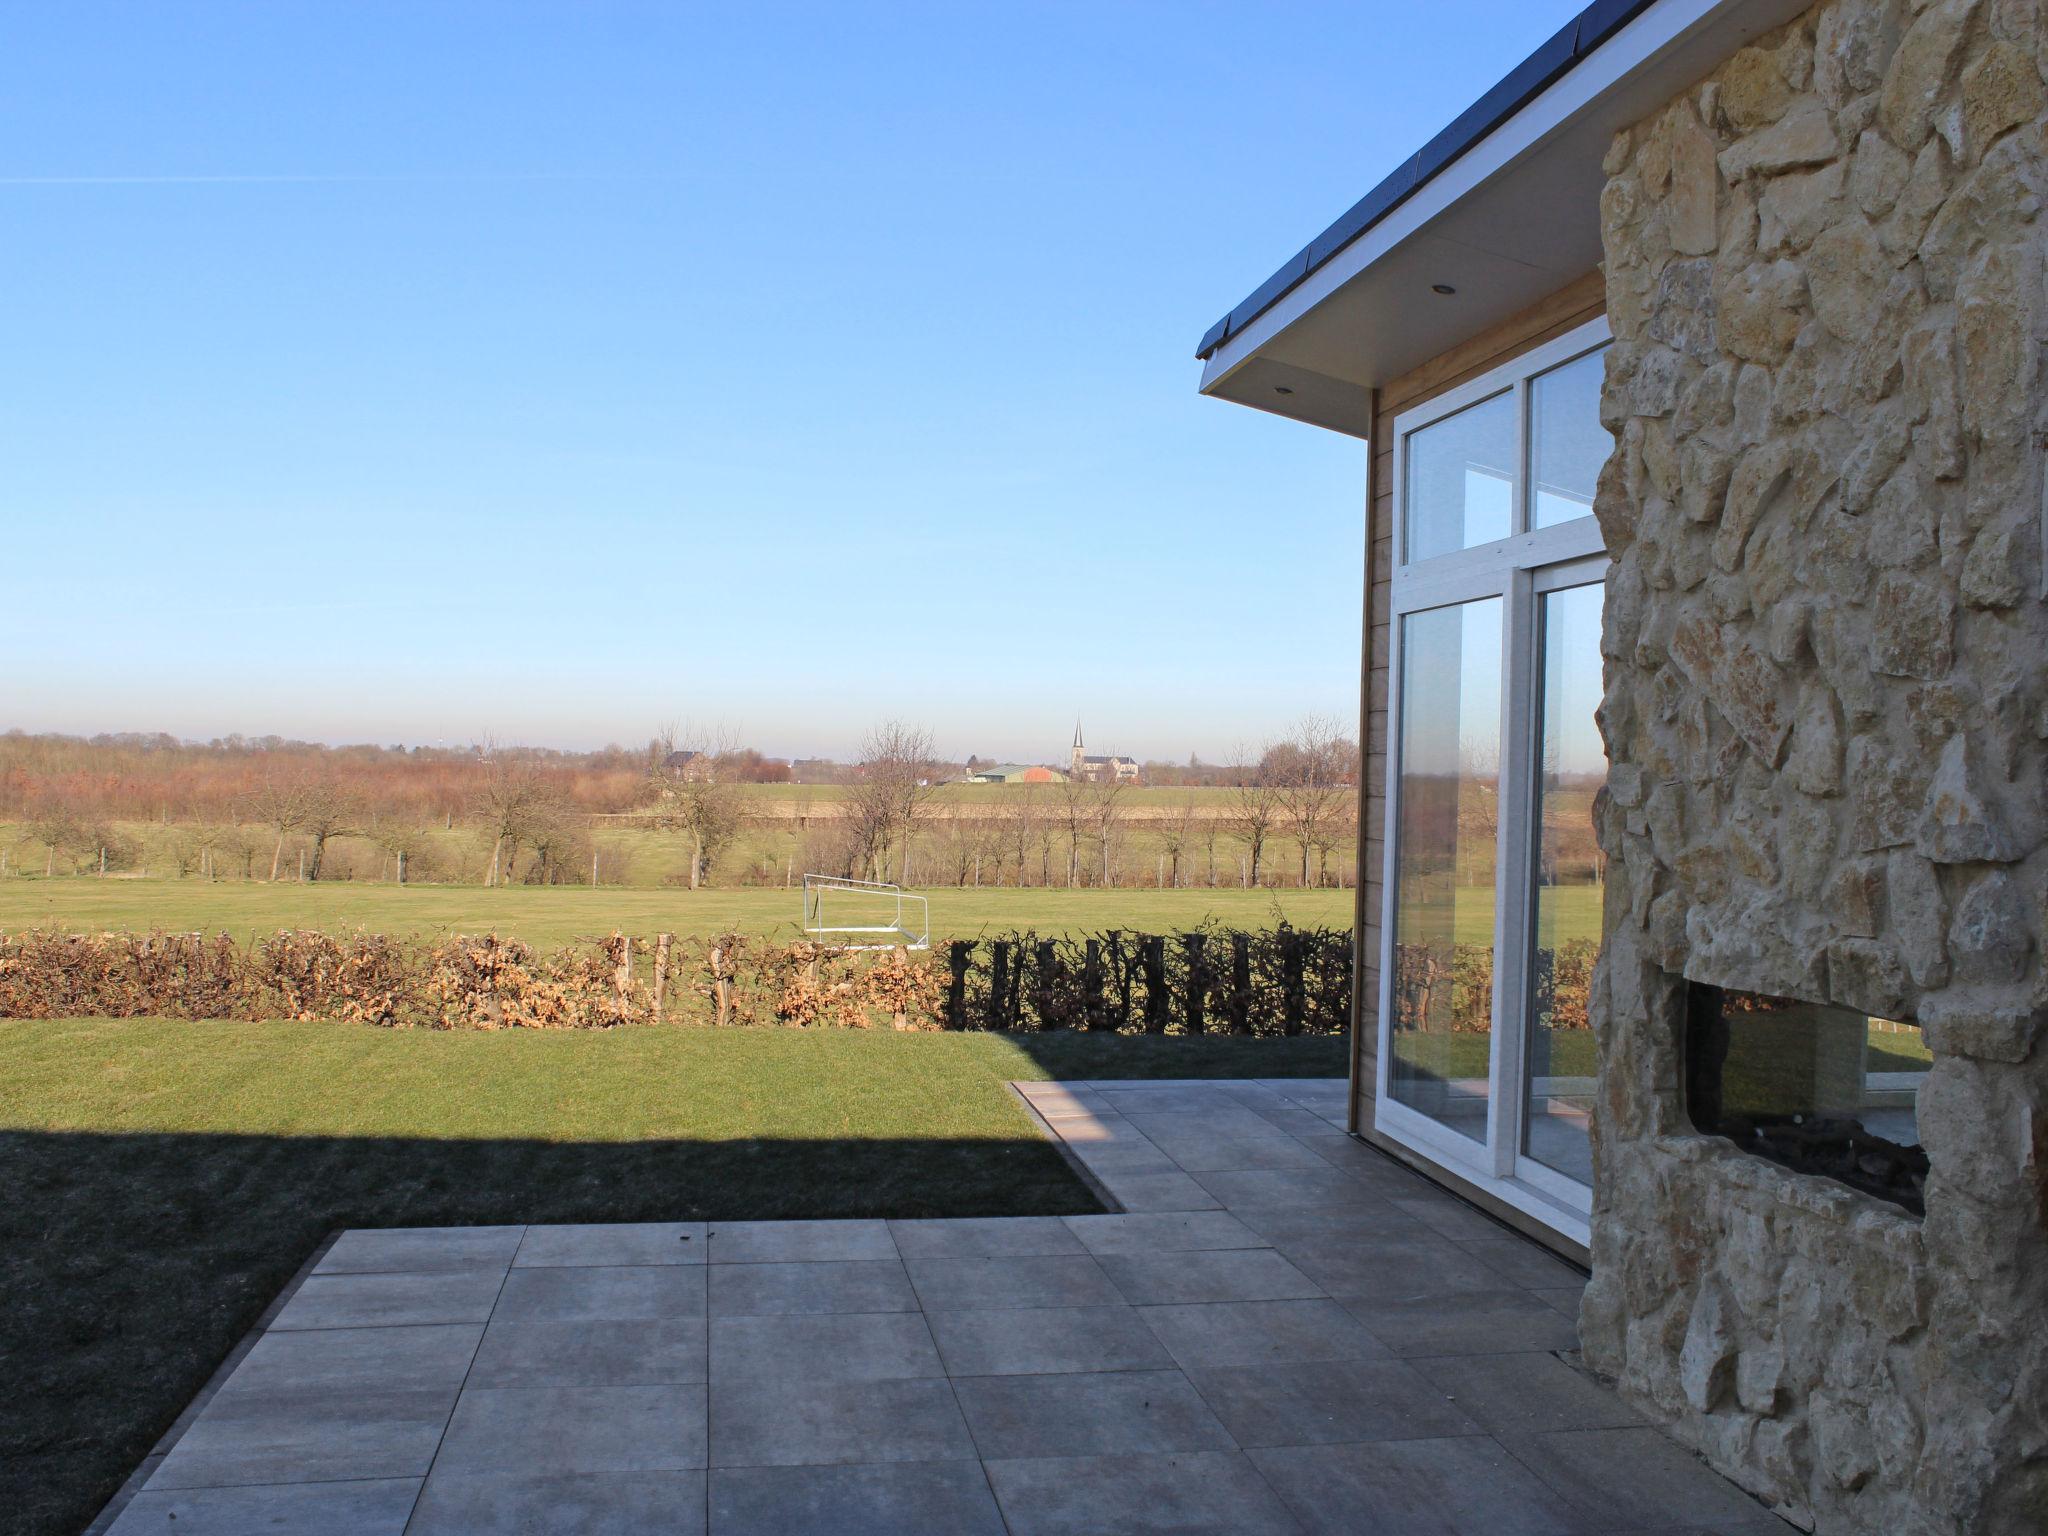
(1164, 1191)
(1369, 1165)
(1448, 1216)
(254, 1437)
(1295, 1121)
(612, 1351)
(391, 1300)
(1328, 1402)
(905, 1498)
(1052, 1099)
(1523, 1262)
(834, 1346)
(1199, 1150)
(788, 1421)
(560, 1503)
(1226, 1274)
(378, 1508)
(1564, 1299)
(1502, 1321)
(610, 1243)
(1453, 1487)
(1044, 1340)
(1529, 1394)
(363, 1250)
(628, 1293)
(1101, 1130)
(1225, 1333)
(1060, 1280)
(433, 1358)
(1637, 1478)
(854, 1285)
(1163, 1232)
(799, 1242)
(1291, 1224)
(1107, 1159)
(1098, 1413)
(1275, 1188)
(575, 1429)
(1226, 1117)
(983, 1237)
(1219, 1493)
(1394, 1268)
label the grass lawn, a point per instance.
(549, 916)
(163, 1180)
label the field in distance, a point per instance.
(555, 915)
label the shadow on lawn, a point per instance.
(131, 1264)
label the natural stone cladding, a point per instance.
(1827, 712)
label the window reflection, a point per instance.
(1446, 837)
(1567, 444)
(1461, 480)
(1571, 767)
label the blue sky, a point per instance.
(422, 372)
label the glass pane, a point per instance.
(1567, 444)
(1820, 1088)
(1440, 1032)
(1461, 480)
(1571, 766)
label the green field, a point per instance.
(552, 915)
(165, 1179)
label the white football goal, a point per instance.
(864, 914)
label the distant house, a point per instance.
(1122, 770)
(691, 767)
(1016, 773)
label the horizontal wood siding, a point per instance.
(1572, 305)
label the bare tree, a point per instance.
(1177, 833)
(1252, 809)
(1312, 775)
(703, 803)
(893, 784)
(56, 829)
(331, 810)
(1107, 816)
(1076, 814)
(509, 805)
(282, 804)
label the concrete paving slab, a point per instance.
(256, 1437)
(1529, 1394)
(908, 1498)
(1163, 1232)
(1467, 1486)
(1393, 1268)
(834, 1346)
(318, 1362)
(575, 1429)
(1503, 1321)
(1276, 1188)
(560, 1503)
(984, 1237)
(1328, 1402)
(417, 1249)
(628, 1293)
(378, 1508)
(1204, 1493)
(1228, 1274)
(1230, 1333)
(1115, 1413)
(1637, 1477)
(599, 1353)
(1143, 1190)
(1289, 1225)
(851, 1285)
(799, 1242)
(1061, 1280)
(1046, 1340)
(646, 1242)
(791, 1422)
(1523, 1263)
(383, 1300)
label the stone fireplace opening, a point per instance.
(1815, 1087)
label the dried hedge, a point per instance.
(1279, 981)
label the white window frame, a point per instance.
(1519, 570)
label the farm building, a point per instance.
(1121, 770)
(1016, 773)
(690, 766)
(1700, 365)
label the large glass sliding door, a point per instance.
(1493, 881)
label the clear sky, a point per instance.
(417, 372)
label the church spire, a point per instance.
(1077, 735)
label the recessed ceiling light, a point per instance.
(1441, 288)
(1282, 389)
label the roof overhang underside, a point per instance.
(1508, 219)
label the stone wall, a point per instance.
(1826, 707)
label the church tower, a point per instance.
(1079, 763)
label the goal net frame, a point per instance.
(912, 928)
